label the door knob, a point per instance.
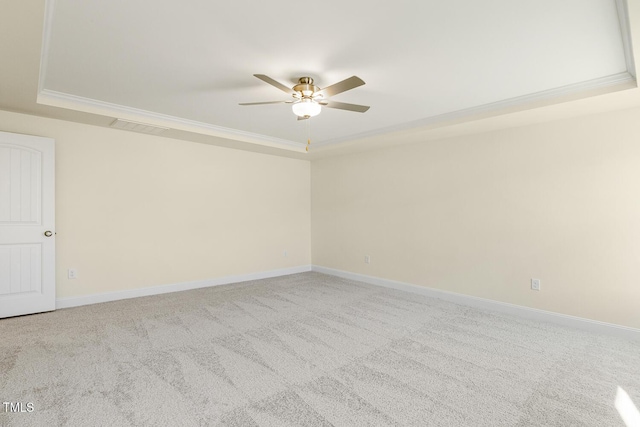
(48, 233)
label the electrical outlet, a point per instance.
(72, 273)
(367, 259)
(535, 284)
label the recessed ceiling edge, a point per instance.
(87, 105)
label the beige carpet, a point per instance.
(307, 349)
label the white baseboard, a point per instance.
(503, 307)
(176, 287)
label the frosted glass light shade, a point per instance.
(306, 108)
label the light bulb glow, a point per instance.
(306, 108)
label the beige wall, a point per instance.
(478, 215)
(135, 210)
(482, 215)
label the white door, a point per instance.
(27, 225)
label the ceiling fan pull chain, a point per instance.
(308, 135)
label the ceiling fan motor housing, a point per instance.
(305, 87)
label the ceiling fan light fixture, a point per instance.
(306, 108)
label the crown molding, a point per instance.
(49, 8)
(88, 105)
(625, 32)
(624, 80)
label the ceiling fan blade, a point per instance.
(275, 83)
(263, 103)
(344, 106)
(343, 86)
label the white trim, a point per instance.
(79, 103)
(49, 8)
(88, 105)
(503, 307)
(533, 100)
(68, 302)
(623, 18)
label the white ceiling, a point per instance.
(187, 65)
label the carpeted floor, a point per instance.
(307, 350)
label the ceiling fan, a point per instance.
(309, 99)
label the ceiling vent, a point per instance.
(137, 127)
